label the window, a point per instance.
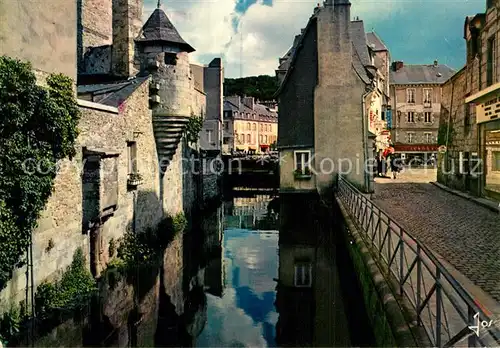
(427, 117)
(428, 137)
(260, 127)
(254, 126)
(496, 161)
(427, 95)
(209, 136)
(171, 58)
(248, 138)
(253, 116)
(302, 159)
(411, 116)
(226, 125)
(248, 125)
(260, 138)
(248, 115)
(265, 139)
(303, 276)
(410, 95)
(411, 137)
(132, 157)
(491, 61)
(382, 116)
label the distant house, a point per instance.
(416, 104)
(329, 79)
(248, 126)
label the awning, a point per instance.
(264, 146)
(415, 148)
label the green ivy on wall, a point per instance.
(445, 133)
(38, 127)
(193, 128)
(147, 248)
(71, 292)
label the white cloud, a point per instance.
(264, 34)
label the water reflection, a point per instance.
(245, 315)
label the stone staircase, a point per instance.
(168, 131)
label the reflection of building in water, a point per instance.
(214, 272)
(250, 213)
(309, 302)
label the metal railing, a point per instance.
(443, 307)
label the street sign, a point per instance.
(442, 149)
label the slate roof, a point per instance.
(159, 28)
(373, 39)
(358, 38)
(258, 108)
(421, 74)
(112, 94)
(360, 52)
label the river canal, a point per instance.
(245, 315)
(233, 281)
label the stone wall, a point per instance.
(41, 32)
(101, 129)
(462, 118)
(339, 138)
(127, 23)
(174, 78)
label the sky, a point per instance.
(251, 35)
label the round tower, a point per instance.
(163, 53)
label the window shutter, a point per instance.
(432, 117)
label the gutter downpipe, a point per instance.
(367, 180)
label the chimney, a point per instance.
(436, 63)
(397, 65)
(249, 102)
(127, 23)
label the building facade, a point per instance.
(416, 106)
(137, 92)
(378, 102)
(472, 159)
(248, 126)
(323, 101)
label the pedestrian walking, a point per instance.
(396, 166)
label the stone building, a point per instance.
(416, 105)
(378, 102)
(211, 79)
(248, 126)
(472, 160)
(136, 91)
(328, 76)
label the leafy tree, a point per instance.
(261, 87)
(38, 126)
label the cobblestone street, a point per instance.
(465, 234)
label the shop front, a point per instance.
(487, 103)
(416, 154)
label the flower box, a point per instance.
(302, 175)
(134, 180)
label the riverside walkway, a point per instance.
(442, 249)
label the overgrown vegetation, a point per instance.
(146, 248)
(445, 134)
(71, 292)
(38, 127)
(10, 325)
(261, 87)
(193, 129)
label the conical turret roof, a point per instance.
(159, 28)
